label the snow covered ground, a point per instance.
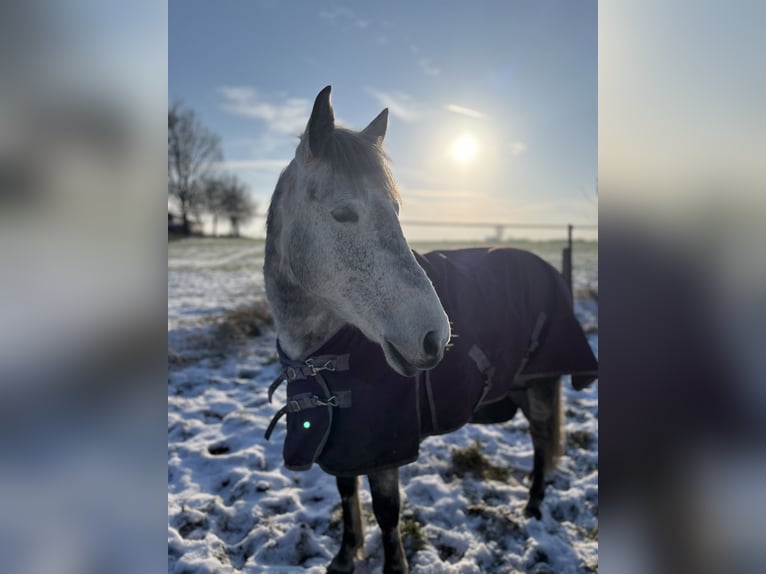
(232, 507)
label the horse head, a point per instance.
(342, 246)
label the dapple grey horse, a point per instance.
(337, 262)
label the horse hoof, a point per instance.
(341, 566)
(533, 512)
(332, 570)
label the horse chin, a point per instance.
(397, 362)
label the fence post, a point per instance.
(566, 255)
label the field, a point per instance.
(232, 507)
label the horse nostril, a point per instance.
(431, 344)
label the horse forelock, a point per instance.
(351, 157)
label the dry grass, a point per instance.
(586, 293)
(580, 439)
(237, 325)
(470, 459)
(228, 334)
(413, 536)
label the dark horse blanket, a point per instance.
(512, 322)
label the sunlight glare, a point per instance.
(464, 149)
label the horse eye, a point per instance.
(345, 215)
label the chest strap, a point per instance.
(297, 370)
(304, 401)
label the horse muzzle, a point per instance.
(429, 355)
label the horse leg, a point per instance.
(353, 531)
(541, 404)
(384, 487)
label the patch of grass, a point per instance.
(590, 533)
(220, 553)
(368, 517)
(497, 523)
(470, 459)
(336, 516)
(413, 537)
(230, 332)
(590, 328)
(238, 324)
(175, 358)
(586, 293)
(580, 439)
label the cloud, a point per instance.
(428, 68)
(517, 148)
(465, 111)
(288, 117)
(425, 64)
(343, 16)
(399, 104)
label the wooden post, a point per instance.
(566, 255)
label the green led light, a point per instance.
(306, 424)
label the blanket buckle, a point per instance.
(331, 402)
(329, 365)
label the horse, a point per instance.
(375, 337)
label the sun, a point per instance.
(464, 149)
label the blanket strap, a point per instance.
(482, 363)
(304, 401)
(280, 413)
(297, 370)
(534, 342)
(275, 385)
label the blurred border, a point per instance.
(682, 277)
(682, 286)
(83, 291)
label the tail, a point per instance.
(556, 433)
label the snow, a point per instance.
(233, 507)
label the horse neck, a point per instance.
(303, 323)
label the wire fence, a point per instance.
(500, 228)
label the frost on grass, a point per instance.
(232, 507)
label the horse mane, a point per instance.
(353, 156)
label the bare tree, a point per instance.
(213, 191)
(192, 152)
(236, 203)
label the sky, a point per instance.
(493, 105)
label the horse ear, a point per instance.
(321, 123)
(376, 131)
